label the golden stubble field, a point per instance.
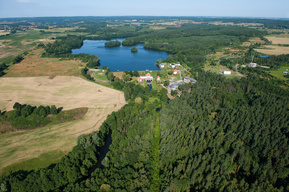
(68, 92)
(275, 49)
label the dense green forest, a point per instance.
(112, 44)
(220, 135)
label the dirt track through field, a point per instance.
(66, 92)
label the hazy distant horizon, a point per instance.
(186, 8)
(108, 16)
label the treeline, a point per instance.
(191, 43)
(63, 46)
(3, 67)
(26, 116)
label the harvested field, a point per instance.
(67, 92)
(278, 40)
(33, 65)
(274, 50)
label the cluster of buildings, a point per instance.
(172, 65)
(175, 85)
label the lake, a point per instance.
(121, 58)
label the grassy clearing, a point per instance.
(279, 73)
(100, 75)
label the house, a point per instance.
(148, 78)
(158, 78)
(243, 66)
(252, 64)
(227, 72)
(189, 80)
(162, 65)
(177, 64)
(175, 71)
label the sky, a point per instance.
(228, 8)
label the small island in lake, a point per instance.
(112, 44)
(134, 50)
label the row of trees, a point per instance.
(26, 116)
(3, 67)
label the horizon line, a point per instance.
(248, 17)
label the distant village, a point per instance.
(173, 84)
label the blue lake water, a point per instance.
(121, 58)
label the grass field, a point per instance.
(53, 141)
(100, 75)
(17, 43)
(33, 65)
(279, 73)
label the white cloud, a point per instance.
(23, 1)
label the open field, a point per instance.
(278, 40)
(274, 50)
(279, 73)
(66, 92)
(22, 41)
(100, 75)
(33, 65)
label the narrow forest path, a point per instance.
(155, 167)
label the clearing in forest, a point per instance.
(63, 91)
(274, 50)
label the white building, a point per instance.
(227, 72)
(162, 65)
(252, 64)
